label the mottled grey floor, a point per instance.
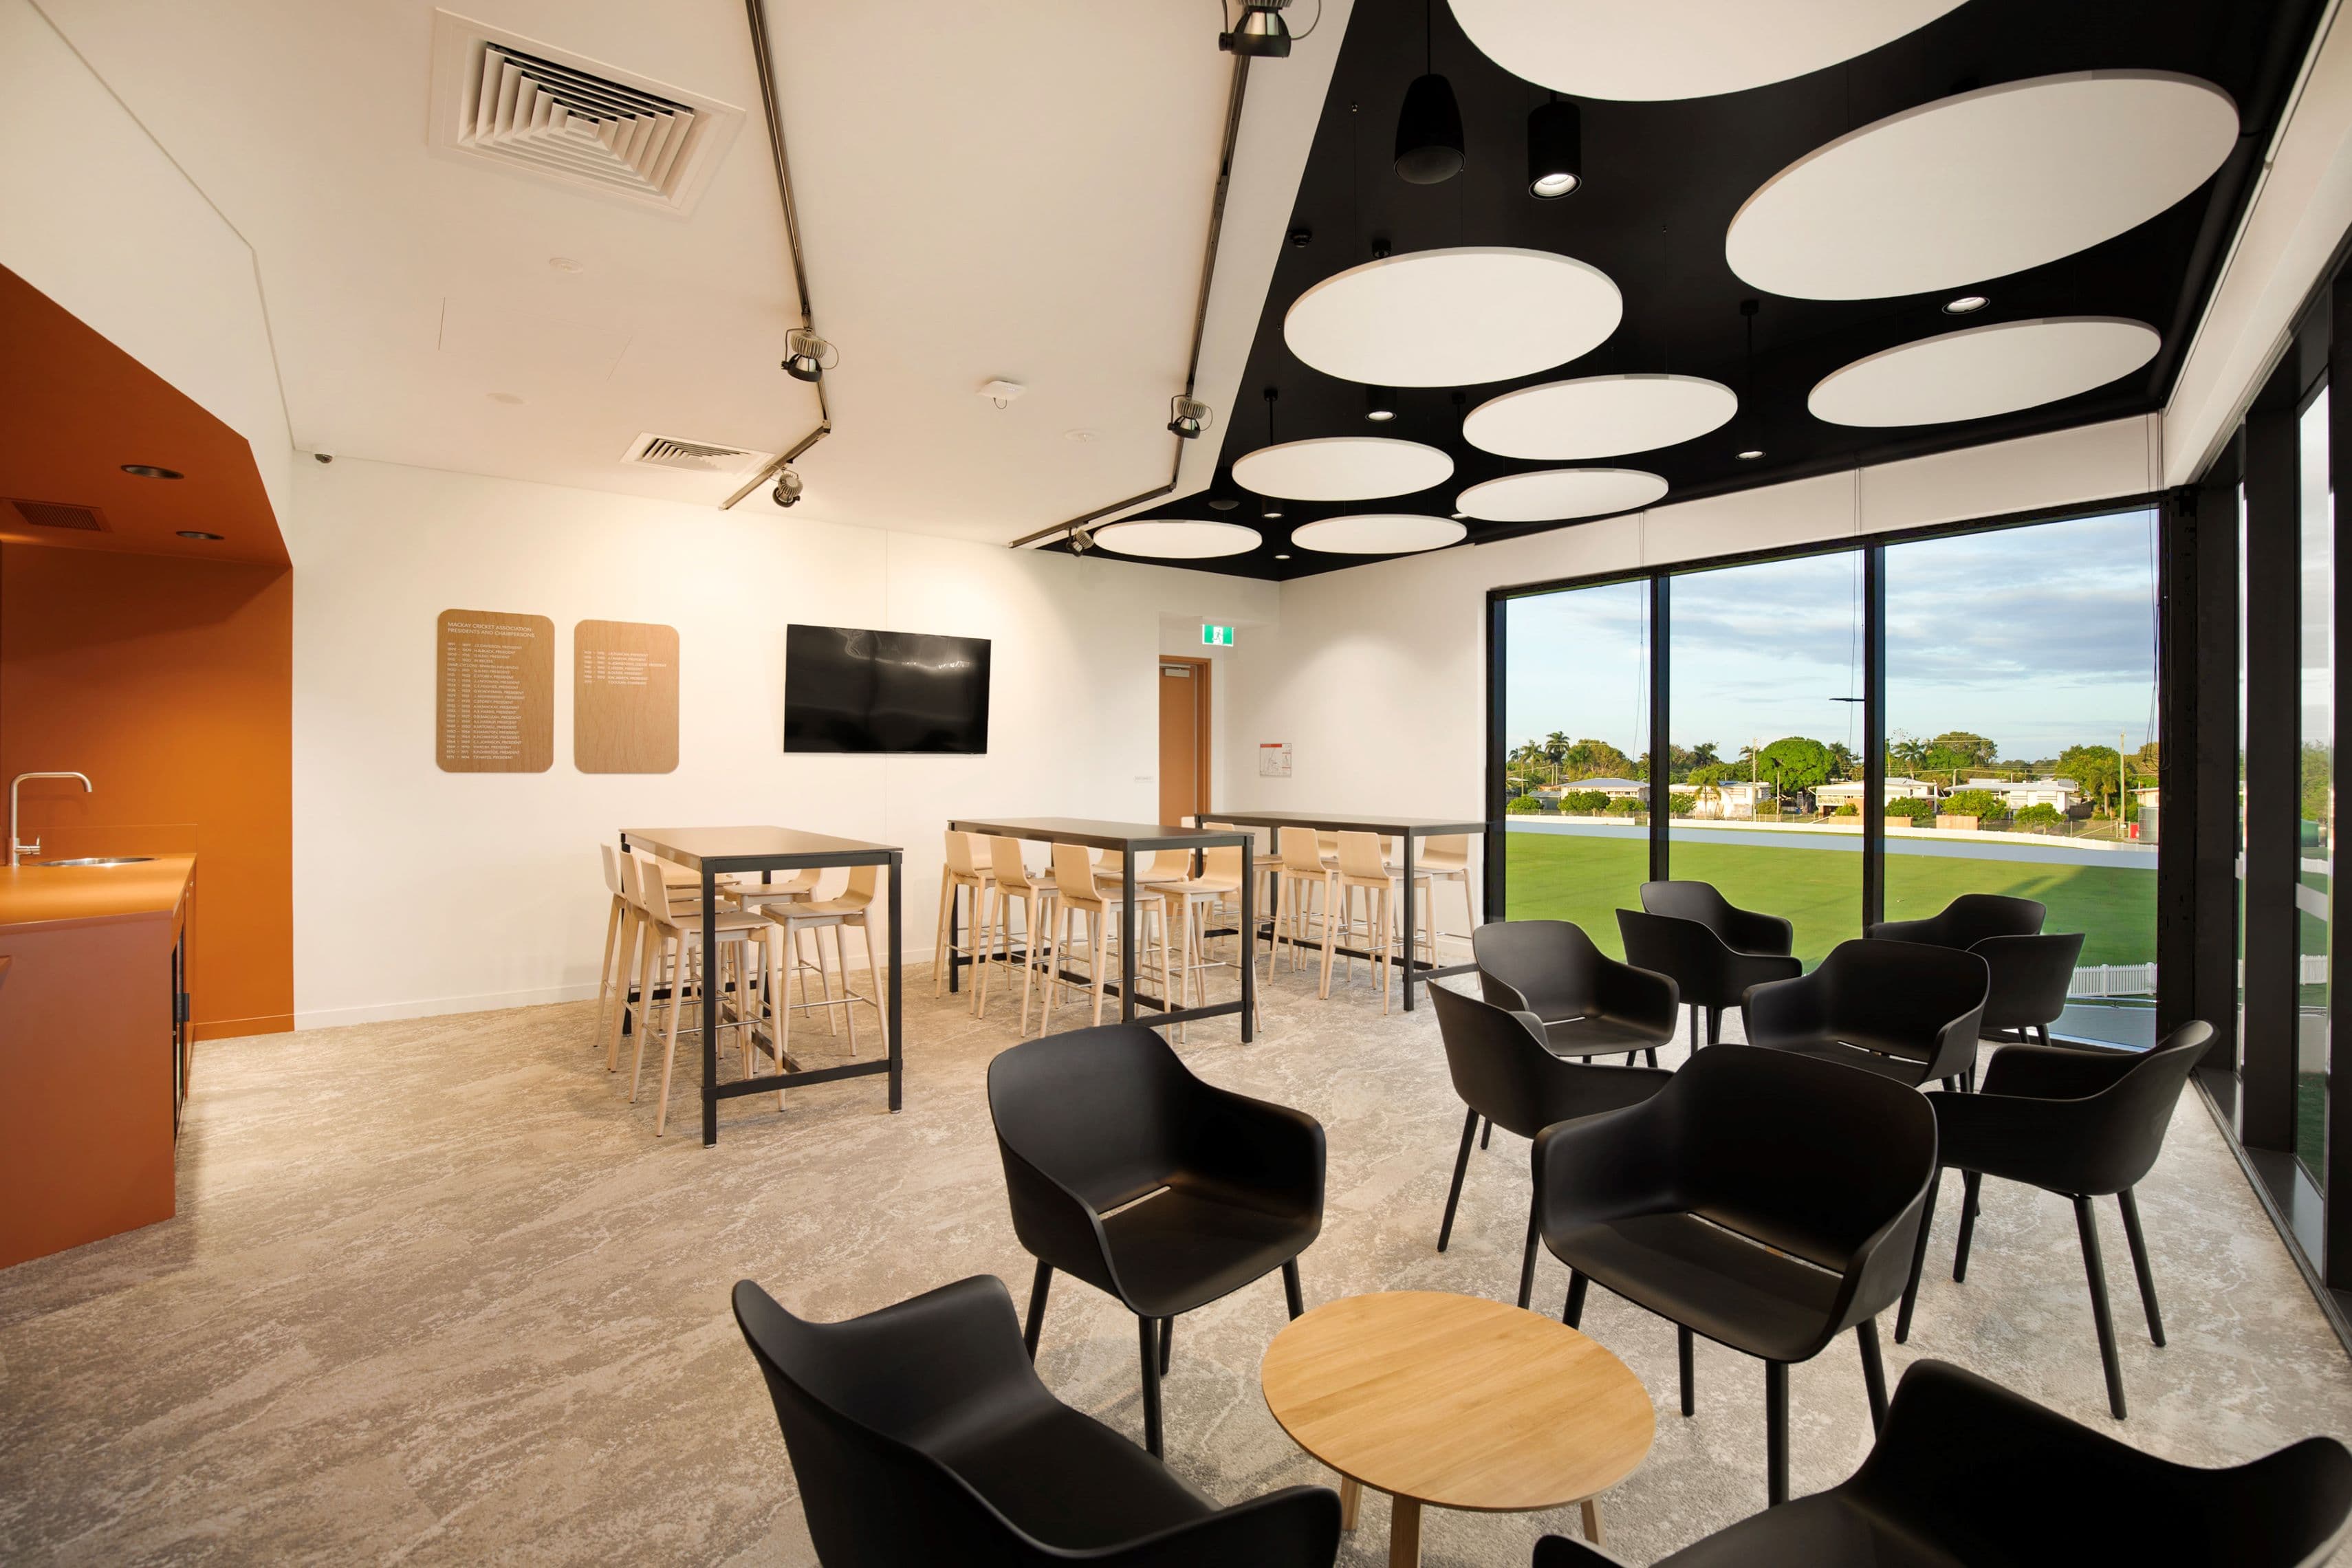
(436, 1294)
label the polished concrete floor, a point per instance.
(437, 1295)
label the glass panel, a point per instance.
(2020, 706)
(1765, 679)
(2313, 894)
(2241, 856)
(1576, 704)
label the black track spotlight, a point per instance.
(1429, 132)
(1554, 151)
(789, 488)
(1380, 405)
(1261, 33)
(1188, 418)
(1270, 511)
(804, 358)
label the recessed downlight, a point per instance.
(509, 398)
(1750, 455)
(150, 471)
(1282, 557)
(199, 534)
(564, 264)
(1965, 304)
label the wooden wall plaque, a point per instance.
(624, 698)
(496, 708)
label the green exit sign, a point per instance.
(1216, 636)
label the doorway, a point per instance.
(1184, 738)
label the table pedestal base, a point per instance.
(1404, 1521)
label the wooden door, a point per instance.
(1184, 738)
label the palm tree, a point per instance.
(1555, 746)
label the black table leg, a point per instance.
(1409, 927)
(1249, 937)
(1127, 949)
(897, 995)
(710, 1007)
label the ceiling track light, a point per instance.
(804, 358)
(1187, 418)
(1429, 127)
(1380, 405)
(1261, 33)
(1554, 149)
(788, 487)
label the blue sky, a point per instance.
(2041, 637)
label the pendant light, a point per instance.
(1749, 451)
(1270, 507)
(1380, 405)
(1429, 128)
(1554, 151)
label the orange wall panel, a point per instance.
(169, 682)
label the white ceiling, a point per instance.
(1013, 188)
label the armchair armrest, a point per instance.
(1750, 932)
(1956, 1044)
(1750, 970)
(1926, 931)
(1254, 1146)
(1600, 1168)
(1625, 992)
(1294, 1525)
(2053, 1072)
(2007, 1134)
(1783, 1010)
(1055, 1224)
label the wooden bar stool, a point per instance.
(1203, 899)
(619, 938)
(1303, 872)
(1363, 869)
(816, 917)
(1077, 893)
(961, 870)
(674, 962)
(1013, 885)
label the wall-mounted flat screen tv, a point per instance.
(848, 689)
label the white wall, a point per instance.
(1377, 675)
(96, 217)
(418, 892)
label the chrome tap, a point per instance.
(16, 848)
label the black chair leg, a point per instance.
(1694, 1012)
(1166, 1342)
(1918, 1259)
(1149, 1330)
(2086, 1221)
(1630, 1056)
(1653, 1054)
(1969, 1181)
(1715, 1026)
(1292, 1296)
(1683, 1354)
(1528, 1262)
(2130, 1206)
(1574, 1312)
(1776, 1433)
(1486, 1135)
(1453, 1193)
(1874, 1371)
(1038, 1284)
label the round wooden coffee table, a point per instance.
(1456, 1402)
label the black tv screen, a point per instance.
(847, 689)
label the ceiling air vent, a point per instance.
(543, 111)
(694, 456)
(60, 514)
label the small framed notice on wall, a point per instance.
(624, 698)
(495, 692)
(1274, 759)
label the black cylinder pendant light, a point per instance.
(1554, 151)
(1429, 127)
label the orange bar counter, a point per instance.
(93, 1048)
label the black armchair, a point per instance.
(1966, 921)
(1899, 1009)
(1154, 1187)
(1710, 974)
(920, 1435)
(2083, 1123)
(1766, 1200)
(2066, 1496)
(2031, 975)
(1742, 931)
(1504, 1072)
(1590, 1005)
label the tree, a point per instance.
(1972, 750)
(1555, 746)
(2040, 814)
(1794, 763)
(1681, 805)
(1713, 773)
(1626, 806)
(2093, 769)
(1980, 804)
(1843, 763)
(1591, 759)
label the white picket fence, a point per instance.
(2139, 979)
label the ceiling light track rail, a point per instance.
(1240, 89)
(757, 11)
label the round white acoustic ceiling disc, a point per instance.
(1651, 49)
(1177, 539)
(1342, 467)
(1384, 535)
(1981, 184)
(1453, 318)
(1550, 495)
(1983, 371)
(1599, 415)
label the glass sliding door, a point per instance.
(1765, 690)
(2314, 893)
(2022, 755)
(1577, 732)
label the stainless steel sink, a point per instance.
(101, 860)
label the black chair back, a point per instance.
(2031, 975)
(2119, 1132)
(1101, 1109)
(1503, 1070)
(1902, 993)
(1967, 921)
(1544, 967)
(1742, 931)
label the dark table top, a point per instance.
(1356, 822)
(754, 849)
(1094, 834)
